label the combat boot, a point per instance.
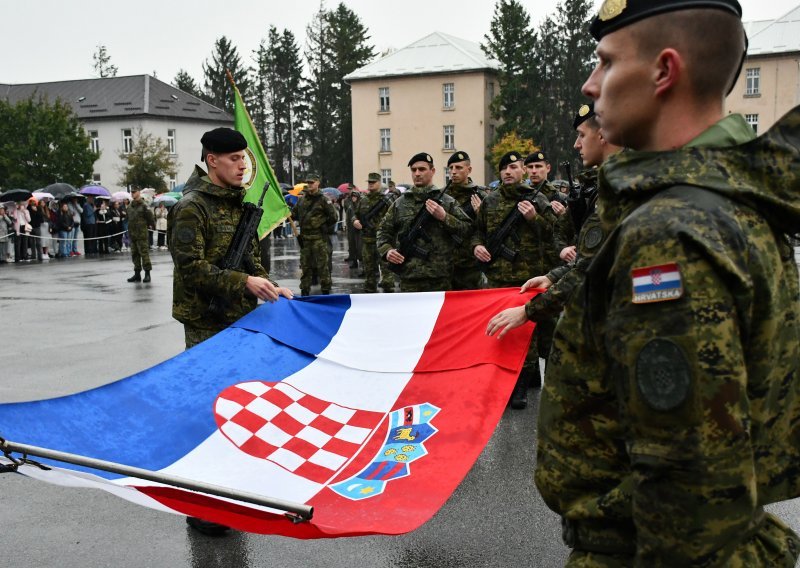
(519, 396)
(146, 276)
(137, 276)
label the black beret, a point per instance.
(508, 158)
(421, 157)
(584, 113)
(616, 14)
(223, 141)
(458, 157)
(537, 156)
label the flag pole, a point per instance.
(294, 510)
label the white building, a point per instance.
(114, 108)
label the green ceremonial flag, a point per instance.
(259, 171)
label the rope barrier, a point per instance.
(31, 236)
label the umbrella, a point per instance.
(290, 199)
(331, 192)
(73, 194)
(95, 190)
(15, 195)
(285, 186)
(121, 196)
(59, 190)
(179, 188)
(167, 200)
(43, 195)
(344, 187)
(176, 195)
(297, 189)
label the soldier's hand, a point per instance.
(558, 208)
(395, 257)
(436, 210)
(536, 282)
(482, 253)
(506, 320)
(568, 254)
(262, 288)
(475, 201)
(527, 209)
(357, 224)
(286, 293)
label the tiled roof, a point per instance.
(435, 53)
(120, 96)
(775, 36)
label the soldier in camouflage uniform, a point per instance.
(353, 236)
(140, 219)
(467, 274)
(561, 281)
(367, 218)
(315, 215)
(669, 416)
(531, 239)
(446, 219)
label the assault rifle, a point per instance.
(495, 243)
(366, 221)
(407, 243)
(577, 201)
(236, 257)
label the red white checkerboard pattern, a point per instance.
(311, 437)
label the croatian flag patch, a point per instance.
(657, 283)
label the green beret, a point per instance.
(223, 141)
(508, 158)
(616, 14)
(537, 156)
(310, 176)
(421, 157)
(458, 157)
(373, 176)
(584, 113)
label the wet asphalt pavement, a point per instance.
(74, 324)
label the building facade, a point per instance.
(112, 111)
(432, 96)
(769, 84)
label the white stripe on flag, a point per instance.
(665, 277)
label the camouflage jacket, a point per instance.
(363, 207)
(533, 240)
(315, 215)
(199, 230)
(140, 217)
(439, 241)
(676, 415)
(463, 196)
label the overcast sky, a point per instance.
(54, 40)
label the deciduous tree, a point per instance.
(149, 164)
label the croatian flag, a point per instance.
(657, 283)
(370, 408)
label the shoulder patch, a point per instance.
(594, 236)
(185, 235)
(662, 374)
(657, 283)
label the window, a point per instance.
(386, 139)
(449, 137)
(94, 141)
(173, 181)
(752, 120)
(383, 98)
(171, 141)
(491, 90)
(127, 141)
(449, 90)
(753, 81)
(386, 176)
(96, 178)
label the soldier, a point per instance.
(367, 218)
(430, 267)
(561, 281)
(199, 231)
(353, 235)
(527, 247)
(140, 220)
(467, 274)
(670, 410)
(315, 215)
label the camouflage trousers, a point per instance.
(774, 546)
(194, 335)
(374, 267)
(315, 257)
(468, 277)
(424, 285)
(140, 253)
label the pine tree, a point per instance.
(217, 88)
(102, 63)
(186, 83)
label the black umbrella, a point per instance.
(15, 195)
(59, 190)
(70, 195)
